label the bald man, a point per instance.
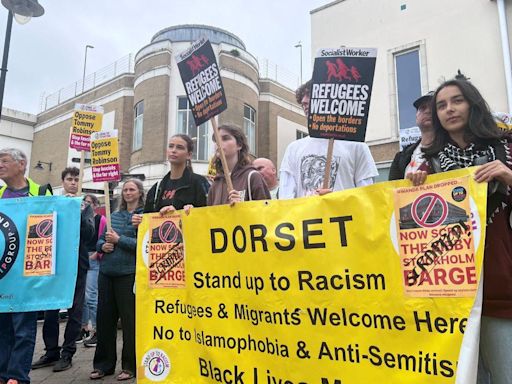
(268, 170)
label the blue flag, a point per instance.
(22, 289)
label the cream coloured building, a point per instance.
(146, 101)
(17, 131)
(420, 44)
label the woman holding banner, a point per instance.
(180, 187)
(248, 184)
(116, 298)
(466, 135)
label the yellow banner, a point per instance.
(310, 290)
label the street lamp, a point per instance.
(299, 45)
(26, 8)
(85, 65)
(39, 165)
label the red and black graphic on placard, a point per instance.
(340, 96)
(41, 230)
(167, 232)
(201, 77)
(197, 63)
(11, 244)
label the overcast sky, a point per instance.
(48, 53)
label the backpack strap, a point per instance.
(249, 184)
(43, 189)
(157, 194)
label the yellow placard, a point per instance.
(40, 245)
(105, 151)
(309, 290)
(85, 123)
(436, 242)
(86, 120)
(166, 261)
(105, 156)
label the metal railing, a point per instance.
(119, 67)
(272, 71)
(268, 70)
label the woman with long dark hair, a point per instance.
(115, 286)
(248, 184)
(180, 187)
(466, 135)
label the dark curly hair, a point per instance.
(302, 90)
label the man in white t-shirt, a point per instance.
(303, 165)
(410, 159)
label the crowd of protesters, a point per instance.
(457, 131)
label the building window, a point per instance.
(250, 127)
(408, 86)
(187, 125)
(301, 134)
(138, 123)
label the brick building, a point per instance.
(147, 103)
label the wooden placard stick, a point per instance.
(227, 172)
(327, 175)
(81, 173)
(107, 205)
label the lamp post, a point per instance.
(85, 65)
(26, 8)
(299, 45)
(39, 165)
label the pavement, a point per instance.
(82, 364)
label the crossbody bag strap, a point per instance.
(249, 184)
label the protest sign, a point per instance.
(437, 249)
(340, 93)
(105, 156)
(308, 290)
(409, 136)
(166, 252)
(503, 120)
(105, 163)
(201, 77)
(24, 285)
(40, 245)
(86, 120)
(203, 84)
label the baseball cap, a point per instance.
(422, 99)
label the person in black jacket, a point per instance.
(59, 357)
(411, 157)
(180, 187)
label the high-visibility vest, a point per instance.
(34, 189)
